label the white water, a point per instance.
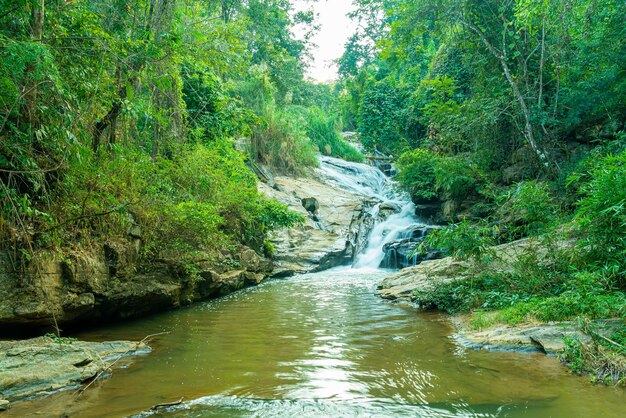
(371, 182)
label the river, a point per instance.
(323, 344)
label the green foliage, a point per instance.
(416, 174)
(463, 241)
(601, 214)
(457, 178)
(383, 117)
(601, 360)
(212, 114)
(528, 208)
(202, 199)
(280, 141)
(123, 112)
(323, 130)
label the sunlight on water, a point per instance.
(323, 345)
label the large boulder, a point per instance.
(548, 338)
(334, 221)
(404, 284)
(423, 277)
(401, 253)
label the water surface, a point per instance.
(324, 345)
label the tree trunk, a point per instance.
(30, 88)
(528, 127)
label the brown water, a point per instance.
(324, 345)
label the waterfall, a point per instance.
(395, 222)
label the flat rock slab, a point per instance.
(42, 366)
(547, 338)
(404, 284)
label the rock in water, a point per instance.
(41, 366)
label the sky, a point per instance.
(335, 29)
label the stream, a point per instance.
(324, 345)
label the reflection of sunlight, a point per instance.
(327, 373)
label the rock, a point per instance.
(401, 253)
(386, 209)
(546, 338)
(404, 284)
(4, 404)
(41, 366)
(324, 241)
(109, 283)
(407, 282)
(429, 212)
(310, 204)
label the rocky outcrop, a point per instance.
(401, 253)
(335, 225)
(423, 277)
(109, 282)
(547, 338)
(41, 366)
(404, 284)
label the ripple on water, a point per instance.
(323, 345)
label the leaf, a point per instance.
(129, 91)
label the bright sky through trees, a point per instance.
(335, 28)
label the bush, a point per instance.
(202, 199)
(463, 241)
(527, 209)
(280, 141)
(457, 178)
(601, 215)
(416, 174)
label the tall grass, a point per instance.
(323, 129)
(280, 141)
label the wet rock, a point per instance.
(547, 338)
(386, 209)
(407, 282)
(41, 366)
(324, 241)
(310, 204)
(429, 212)
(401, 253)
(109, 283)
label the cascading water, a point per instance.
(401, 226)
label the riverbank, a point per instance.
(42, 366)
(582, 325)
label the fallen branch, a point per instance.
(167, 404)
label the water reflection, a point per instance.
(324, 345)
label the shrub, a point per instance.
(456, 177)
(601, 215)
(527, 209)
(280, 141)
(464, 241)
(323, 130)
(203, 199)
(416, 174)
